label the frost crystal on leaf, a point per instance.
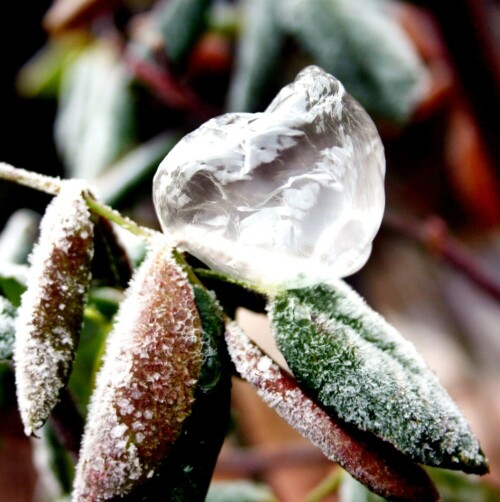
(144, 390)
(282, 198)
(373, 462)
(363, 370)
(50, 316)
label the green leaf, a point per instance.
(362, 370)
(362, 45)
(181, 22)
(7, 328)
(240, 491)
(95, 120)
(259, 48)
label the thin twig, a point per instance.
(433, 234)
(30, 179)
(116, 217)
(53, 186)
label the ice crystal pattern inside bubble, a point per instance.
(283, 198)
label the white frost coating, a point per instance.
(46, 335)
(287, 197)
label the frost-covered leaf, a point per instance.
(186, 472)
(180, 22)
(365, 372)
(145, 389)
(242, 491)
(7, 329)
(94, 123)
(50, 316)
(258, 50)
(361, 44)
(372, 461)
(18, 236)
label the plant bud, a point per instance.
(145, 388)
(51, 312)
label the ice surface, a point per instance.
(287, 197)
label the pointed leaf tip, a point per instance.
(364, 371)
(51, 311)
(145, 389)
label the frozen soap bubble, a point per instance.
(286, 198)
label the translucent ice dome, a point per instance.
(286, 198)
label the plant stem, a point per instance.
(53, 186)
(113, 215)
(30, 179)
(328, 486)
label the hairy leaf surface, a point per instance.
(362, 370)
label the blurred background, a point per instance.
(102, 90)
